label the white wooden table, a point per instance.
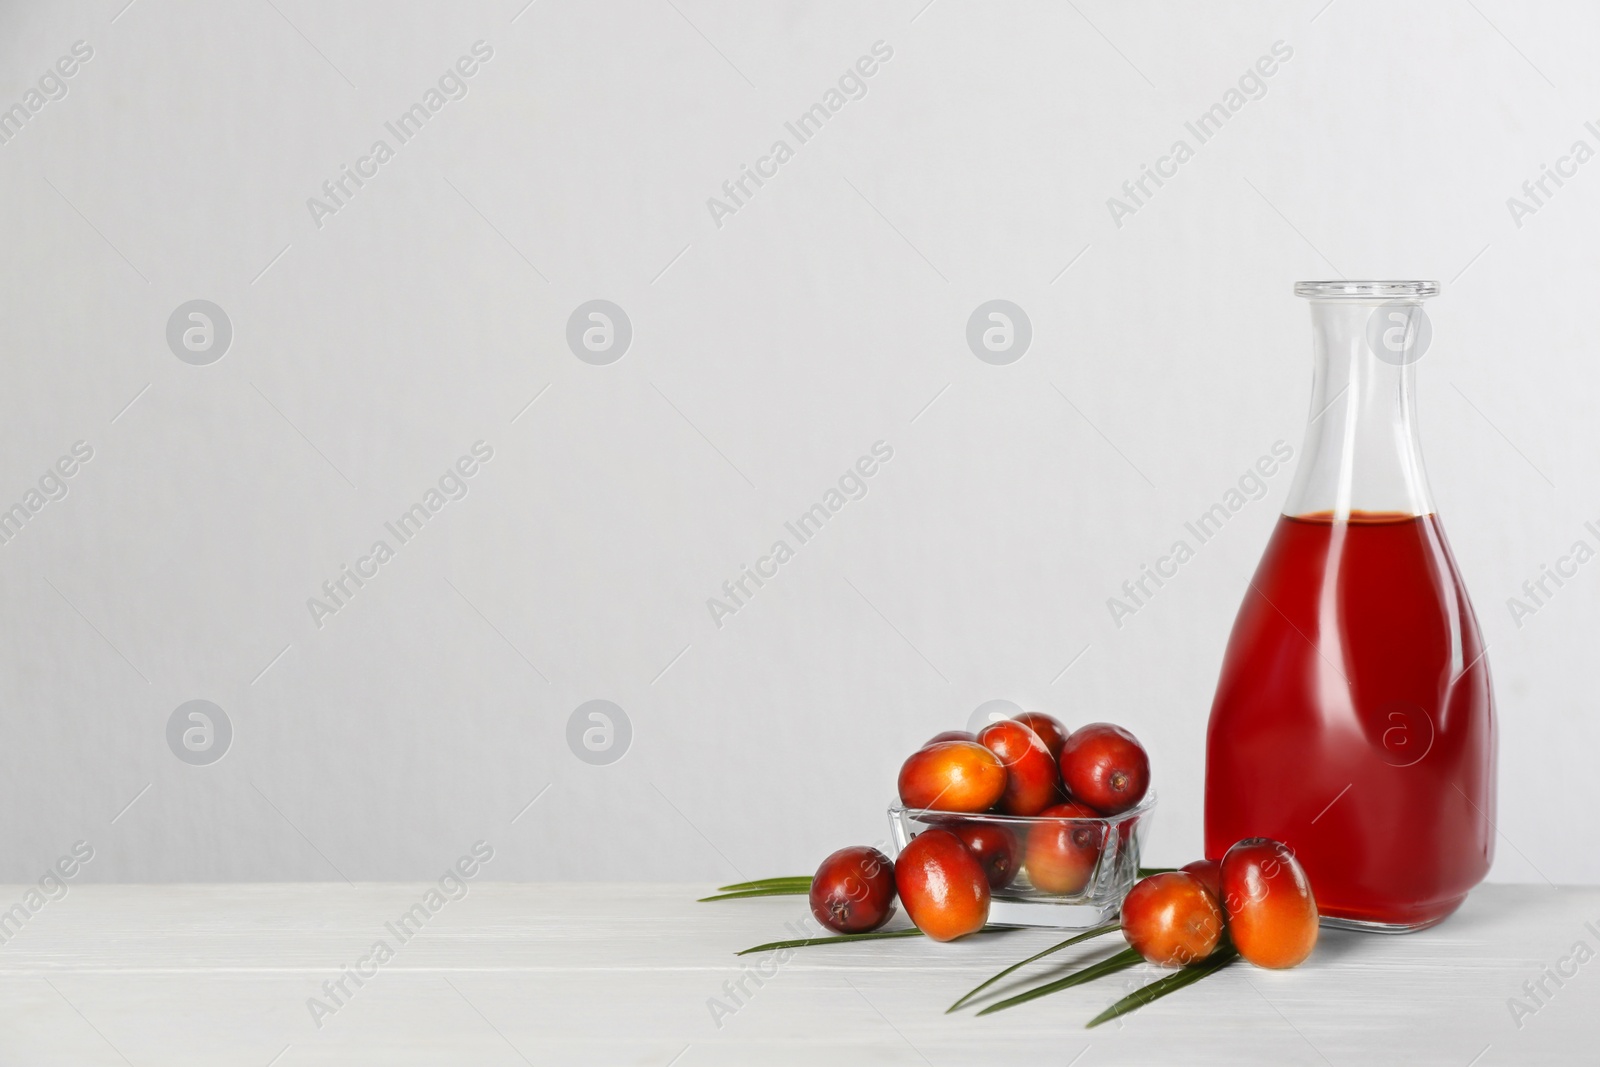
(622, 974)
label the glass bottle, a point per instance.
(1353, 718)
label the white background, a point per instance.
(768, 354)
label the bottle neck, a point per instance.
(1361, 452)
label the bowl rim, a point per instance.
(1146, 804)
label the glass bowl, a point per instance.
(1092, 862)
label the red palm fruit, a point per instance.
(952, 776)
(1105, 767)
(1030, 772)
(1062, 855)
(1049, 729)
(1272, 913)
(1171, 919)
(942, 885)
(853, 891)
(1208, 873)
(995, 847)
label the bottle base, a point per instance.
(1375, 926)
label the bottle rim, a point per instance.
(1366, 290)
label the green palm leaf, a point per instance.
(1110, 965)
(772, 891)
(875, 935)
(1213, 963)
(767, 883)
(802, 942)
(1068, 943)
